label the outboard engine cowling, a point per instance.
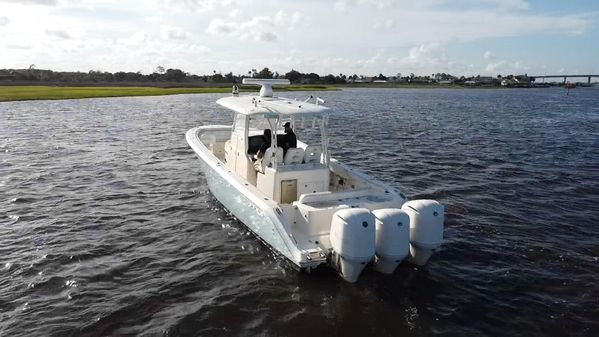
(353, 240)
(426, 228)
(392, 238)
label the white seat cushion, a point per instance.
(312, 154)
(294, 155)
(273, 153)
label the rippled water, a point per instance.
(107, 226)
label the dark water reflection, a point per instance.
(107, 227)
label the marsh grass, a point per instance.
(25, 93)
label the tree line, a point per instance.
(162, 75)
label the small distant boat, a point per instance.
(307, 206)
(569, 86)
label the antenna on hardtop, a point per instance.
(317, 100)
(266, 90)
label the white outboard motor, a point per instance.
(426, 228)
(352, 238)
(392, 238)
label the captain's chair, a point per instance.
(312, 154)
(272, 154)
(294, 155)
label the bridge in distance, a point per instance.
(565, 77)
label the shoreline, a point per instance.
(13, 93)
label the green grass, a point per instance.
(25, 93)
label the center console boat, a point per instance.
(304, 204)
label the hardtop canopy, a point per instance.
(268, 105)
(252, 105)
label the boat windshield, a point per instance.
(309, 130)
(310, 125)
(258, 123)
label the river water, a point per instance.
(107, 226)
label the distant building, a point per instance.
(396, 79)
(485, 80)
(7, 77)
(520, 81)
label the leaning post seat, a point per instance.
(273, 153)
(294, 155)
(312, 154)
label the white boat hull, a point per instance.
(260, 216)
(244, 210)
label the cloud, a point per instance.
(218, 26)
(198, 5)
(427, 56)
(421, 59)
(202, 50)
(258, 28)
(384, 24)
(136, 39)
(572, 24)
(488, 55)
(59, 33)
(4, 21)
(340, 6)
(473, 25)
(282, 18)
(173, 33)
(33, 2)
(379, 4)
(508, 5)
(441, 21)
(507, 67)
(235, 13)
(428, 5)
(257, 22)
(495, 66)
(153, 19)
(266, 36)
(18, 46)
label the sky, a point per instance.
(364, 37)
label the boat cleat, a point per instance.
(314, 256)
